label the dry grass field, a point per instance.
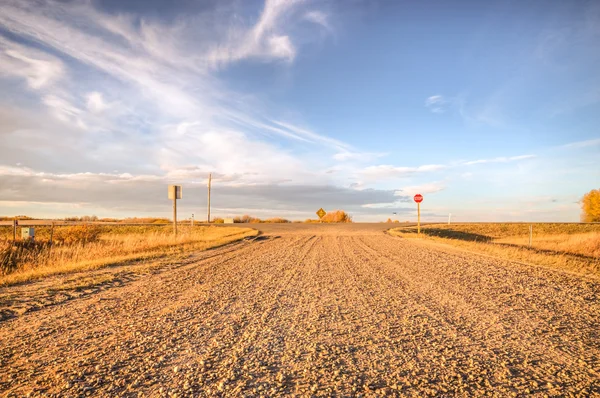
(310, 310)
(574, 247)
(87, 247)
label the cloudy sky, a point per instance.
(491, 110)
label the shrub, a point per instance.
(12, 255)
(76, 234)
(218, 220)
(277, 220)
(337, 216)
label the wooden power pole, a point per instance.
(174, 194)
(209, 181)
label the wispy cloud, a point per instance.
(39, 69)
(389, 171)
(423, 189)
(501, 159)
(382, 172)
(357, 156)
(176, 110)
(319, 18)
(436, 103)
(583, 144)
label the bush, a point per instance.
(12, 255)
(277, 220)
(338, 216)
(218, 220)
(76, 234)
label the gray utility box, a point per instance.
(27, 233)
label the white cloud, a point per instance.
(388, 171)
(583, 144)
(95, 102)
(172, 109)
(423, 189)
(319, 18)
(263, 41)
(390, 205)
(499, 160)
(434, 99)
(356, 156)
(436, 103)
(38, 68)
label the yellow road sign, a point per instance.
(321, 212)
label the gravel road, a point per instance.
(317, 311)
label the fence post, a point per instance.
(530, 234)
(51, 232)
(15, 223)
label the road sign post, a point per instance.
(321, 213)
(418, 199)
(175, 193)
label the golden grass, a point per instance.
(115, 245)
(573, 247)
(505, 230)
(585, 244)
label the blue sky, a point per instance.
(489, 109)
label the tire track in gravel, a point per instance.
(424, 333)
(520, 350)
(233, 361)
(169, 309)
(561, 300)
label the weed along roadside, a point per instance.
(573, 247)
(85, 247)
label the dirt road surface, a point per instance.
(317, 311)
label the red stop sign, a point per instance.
(418, 198)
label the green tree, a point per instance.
(590, 206)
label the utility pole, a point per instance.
(175, 193)
(449, 215)
(209, 181)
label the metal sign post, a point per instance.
(418, 198)
(175, 193)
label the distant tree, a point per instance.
(590, 206)
(337, 216)
(389, 221)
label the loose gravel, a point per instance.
(319, 311)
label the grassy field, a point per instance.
(86, 247)
(575, 247)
